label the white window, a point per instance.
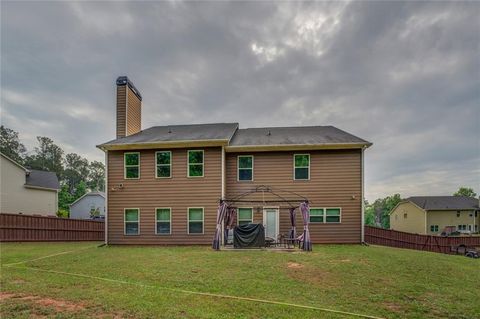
(131, 221)
(245, 167)
(163, 221)
(131, 162)
(195, 220)
(195, 163)
(325, 215)
(301, 166)
(245, 216)
(163, 160)
(434, 228)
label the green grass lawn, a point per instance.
(376, 281)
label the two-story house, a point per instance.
(164, 183)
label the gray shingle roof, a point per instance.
(300, 135)
(173, 133)
(42, 179)
(445, 202)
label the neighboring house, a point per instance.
(93, 202)
(431, 215)
(27, 191)
(164, 183)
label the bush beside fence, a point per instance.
(15, 227)
(393, 238)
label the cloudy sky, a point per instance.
(403, 75)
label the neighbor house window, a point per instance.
(458, 213)
(325, 215)
(131, 165)
(245, 216)
(332, 215)
(301, 166)
(131, 221)
(195, 163)
(163, 164)
(405, 215)
(434, 228)
(462, 227)
(317, 215)
(195, 220)
(245, 168)
(163, 221)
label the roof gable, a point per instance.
(42, 179)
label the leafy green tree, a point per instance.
(378, 213)
(369, 214)
(47, 156)
(465, 191)
(96, 176)
(80, 190)
(10, 144)
(76, 171)
(64, 198)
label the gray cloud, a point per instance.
(404, 75)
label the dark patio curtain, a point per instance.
(222, 209)
(307, 243)
(230, 221)
(293, 222)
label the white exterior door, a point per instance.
(271, 222)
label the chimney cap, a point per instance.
(124, 80)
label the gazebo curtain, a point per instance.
(230, 221)
(222, 210)
(305, 209)
(293, 222)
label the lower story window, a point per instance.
(434, 228)
(245, 216)
(131, 219)
(325, 215)
(195, 220)
(163, 221)
(462, 227)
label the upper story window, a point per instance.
(245, 168)
(245, 216)
(301, 163)
(195, 163)
(131, 163)
(163, 164)
(132, 221)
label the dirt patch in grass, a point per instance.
(310, 274)
(394, 307)
(58, 305)
(293, 265)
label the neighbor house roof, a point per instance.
(37, 178)
(94, 193)
(172, 134)
(42, 179)
(228, 134)
(295, 135)
(445, 202)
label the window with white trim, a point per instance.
(195, 163)
(131, 161)
(195, 220)
(245, 167)
(325, 215)
(163, 221)
(434, 228)
(132, 221)
(301, 166)
(245, 216)
(163, 161)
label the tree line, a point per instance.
(76, 174)
(378, 213)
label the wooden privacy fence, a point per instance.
(15, 227)
(393, 238)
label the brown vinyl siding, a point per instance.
(335, 176)
(121, 110)
(178, 193)
(134, 115)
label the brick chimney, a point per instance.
(129, 108)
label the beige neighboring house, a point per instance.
(27, 191)
(431, 215)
